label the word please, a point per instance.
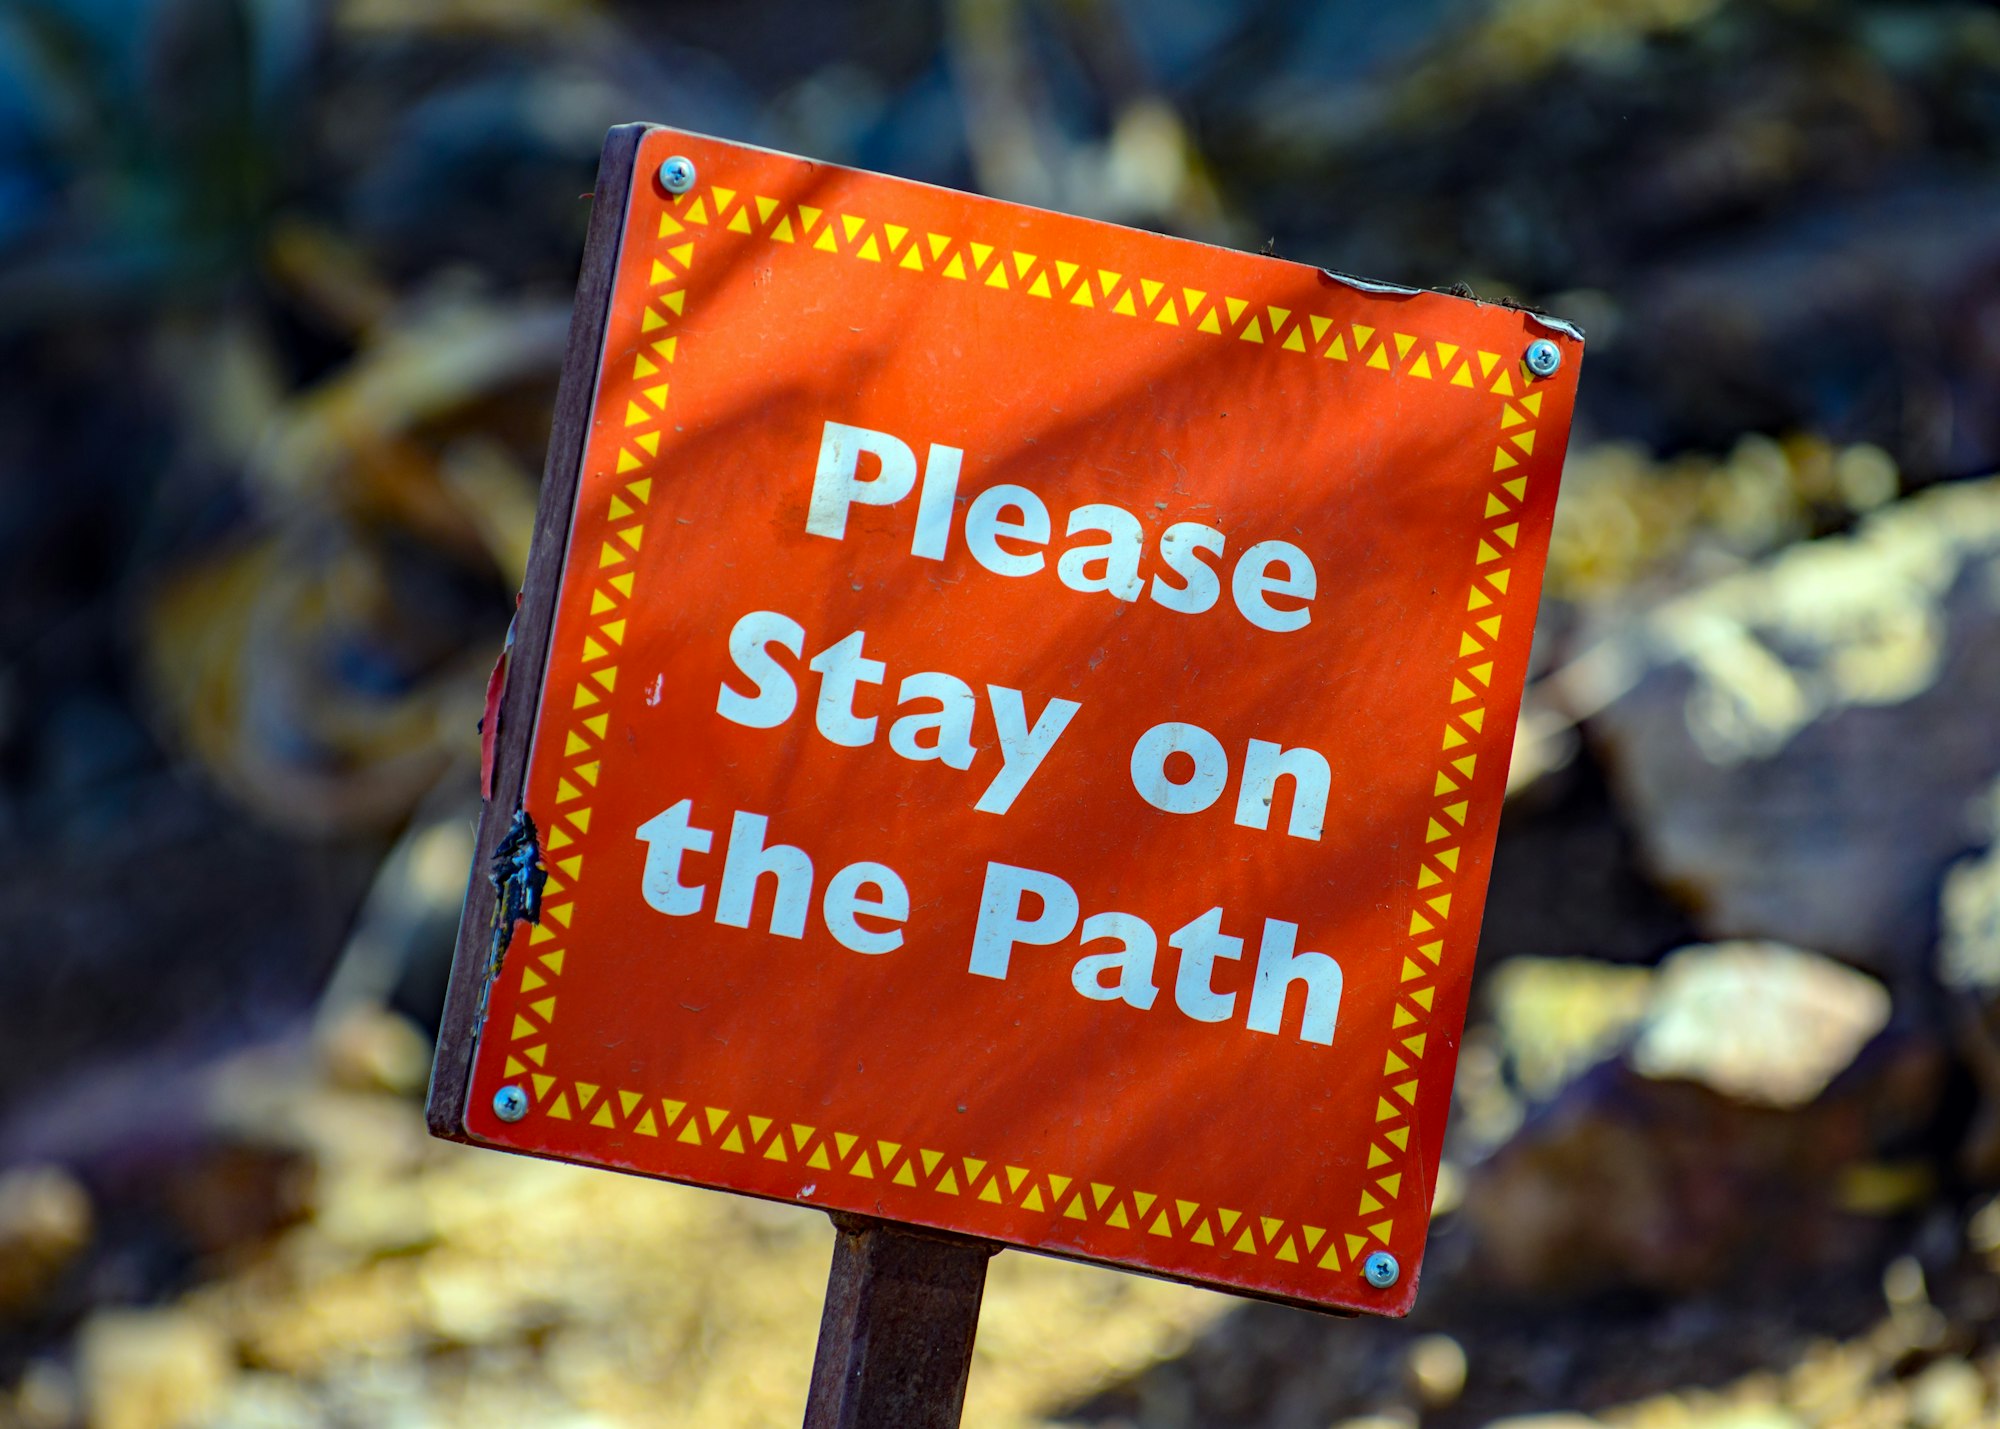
(865, 904)
(1271, 584)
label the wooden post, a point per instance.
(895, 1338)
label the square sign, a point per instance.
(1015, 713)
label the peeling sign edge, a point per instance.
(1401, 290)
(517, 890)
(1370, 285)
(1567, 329)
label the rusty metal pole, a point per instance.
(895, 1338)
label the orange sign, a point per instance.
(1023, 728)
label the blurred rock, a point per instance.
(1435, 1367)
(1947, 1395)
(45, 1223)
(1378, 1421)
(1567, 877)
(1763, 333)
(398, 952)
(1903, 1286)
(1797, 759)
(423, 1283)
(367, 1049)
(1627, 1181)
(177, 1161)
(1449, 1193)
(46, 1397)
(1968, 964)
(326, 684)
(236, 1191)
(1969, 910)
(1760, 1022)
(1557, 1016)
(177, 926)
(1697, 1408)
(152, 1369)
(1486, 1109)
(1778, 207)
(1627, 520)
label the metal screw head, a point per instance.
(677, 175)
(1544, 357)
(510, 1103)
(1381, 1270)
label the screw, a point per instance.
(677, 176)
(510, 1103)
(1544, 357)
(1380, 1270)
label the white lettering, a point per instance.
(1251, 583)
(1278, 967)
(1022, 749)
(1127, 973)
(841, 668)
(1149, 768)
(934, 507)
(837, 485)
(1199, 587)
(1263, 765)
(749, 860)
(843, 901)
(1201, 942)
(1132, 963)
(952, 721)
(1000, 924)
(1120, 554)
(750, 640)
(984, 528)
(667, 836)
(1006, 525)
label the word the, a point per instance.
(1014, 514)
(670, 836)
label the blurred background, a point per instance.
(283, 287)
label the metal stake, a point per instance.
(895, 1338)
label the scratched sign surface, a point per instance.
(1025, 721)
